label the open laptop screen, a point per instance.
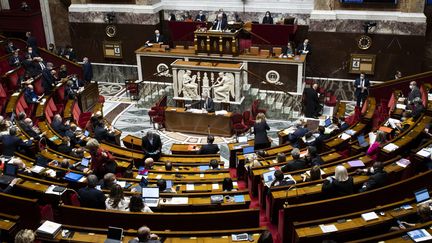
(268, 176)
(327, 122)
(85, 162)
(248, 150)
(10, 169)
(115, 233)
(150, 192)
(422, 195)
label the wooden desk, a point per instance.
(191, 149)
(178, 120)
(216, 42)
(88, 98)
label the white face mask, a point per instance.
(372, 170)
(411, 87)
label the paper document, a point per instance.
(235, 184)
(49, 227)
(356, 163)
(350, 132)
(328, 228)
(50, 190)
(159, 177)
(221, 112)
(190, 187)
(37, 169)
(400, 106)
(391, 147)
(344, 136)
(403, 163)
(372, 137)
(215, 186)
(423, 153)
(369, 216)
(178, 200)
(122, 183)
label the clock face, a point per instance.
(364, 42)
(110, 30)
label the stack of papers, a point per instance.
(391, 147)
(400, 106)
(403, 163)
(344, 136)
(48, 229)
(424, 153)
(37, 169)
(190, 187)
(369, 216)
(328, 228)
(215, 186)
(221, 112)
(356, 163)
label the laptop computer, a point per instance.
(268, 178)
(83, 164)
(74, 177)
(248, 150)
(422, 196)
(362, 141)
(10, 172)
(86, 133)
(327, 122)
(242, 139)
(114, 235)
(150, 196)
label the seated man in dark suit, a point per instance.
(304, 48)
(15, 60)
(11, 48)
(414, 93)
(298, 133)
(12, 143)
(296, 164)
(209, 148)
(144, 235)
(156, 38)
(48, 79)
(27, 127)
(58, 125)
(152, 145)
(319, 141)
(312, 157)
(207, 103)
(29, 66)
(103, 134)
(280, 180)
(91, 197)
(377, 176)
(30, 96)
(200, 17)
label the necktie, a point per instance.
(42, 65)
(362, 83)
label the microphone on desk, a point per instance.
(286, 204)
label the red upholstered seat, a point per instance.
(255, 108)
(247, 119)
(330, 99)
(237, 124)
(38, 88)
(12, 81)
(160, 117)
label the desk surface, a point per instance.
(179, 120)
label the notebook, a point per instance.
(74, 177)
(10, 172)
(248, 150)
(419, 235)
(150, 196)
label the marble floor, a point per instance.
(134, 120)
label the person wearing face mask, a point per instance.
(157, 38)
(31, 52)
(15, 60)
(200, 17)
(361, 89)
(10, 48)
(414, 93)
(267, 18)
(52, 48)
(377, 176)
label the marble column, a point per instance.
(46, 19)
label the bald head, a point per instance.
(143, 233)
(148, 163)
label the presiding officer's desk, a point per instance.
(179, 120)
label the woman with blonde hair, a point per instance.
(338, 185)
(260, 131)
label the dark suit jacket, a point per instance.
(150, 148)
(312, 103)
(69, 93)
(297, 164)
(14, 61)
(155, 40)
(267, 20)
(201, 18)
(415, 93)
(31, 41)
(10, 49)
(29, 67)
(88, 72)
(224, 24)
(147, 241)
(298, 133)
(285, 51)
(30, 96)
(12, 144)
(376, 180)
(338, 188)
(315, 161)
(209, 149)
(301, 47)
(59, 127)
(91, 198)
(260, 132)
(48, 80)
(101, 134)
(357, 83)
(30, 131)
